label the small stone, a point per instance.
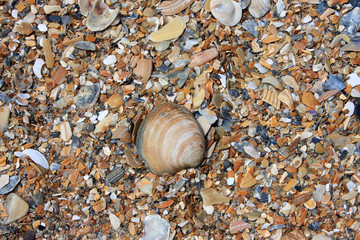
(211, 196)
(100, 205)
(115, 175)
(4, 180)
(53, 18)
(238, 226)
(55, 166)
(16, 208)
(156, 227)
(319, 148)
(42, 28)
(247, 181)
(309, 100)
(115, 221)
(109, 60)
(354, 79)
(4, 117)
(29, 235)
(115, 101)
(315, 226)
(85, 45)
(87, 96)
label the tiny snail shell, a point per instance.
(228, 12)
(170, 139)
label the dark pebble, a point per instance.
(163, 68)
(115, 175)
(38, 199)
(315, 226)
(315, 140)
(66, 19)
(234, 93)
(5, 32)
(354, 3)
(89, 127)
(245, 94)
(227, 165)
(277, 226)
(75, 141)
(264, 197)
(55, 134)
(357, 111)
(322, 6)
(262, 131)
(8, 60)
(53, 18)
(85, 45)
(225, 111)
(29, 235)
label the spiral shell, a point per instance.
(170, 139)
(228, 12)
(259, 8)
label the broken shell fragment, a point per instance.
(174, 6)
(227, 12)
(203, 57)
(286, 98)
(170, 140)
(87, 96)
(21, 81)
(172, 30)
(144, 69)
(86, 6)
(101, 16)
(259, 8)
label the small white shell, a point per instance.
(228, 12)
(37, 67)
(259, 8)
(170, 140)
(101, 16)
(34, 155)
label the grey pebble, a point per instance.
(87, 96)
(85, 45)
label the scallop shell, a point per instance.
(101, 16)
(174, 6)
(259, 8)
(228, 12)
(170, 140)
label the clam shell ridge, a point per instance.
(170, 139)
(228, 12)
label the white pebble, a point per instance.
(109, 60)
(230, 181)
(354, 80)
(42, 27)
(102, 114)
(209, 209)
(307, 19)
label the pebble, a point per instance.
(315, 226)
(109, 60)
(53, 18)
(85, 45)
(42, 28)
(55, 166)
(354, 79)
(4, 180)
(115, 175)
(350, 22)
(16, 208)
(210, 197)
(4, 117)
(87, 96)
(13, 182)
(115, 221)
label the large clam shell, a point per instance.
(228, 12)
(101, 16)
(259, 8)
(170, 139)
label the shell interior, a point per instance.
(170, 139)
(101, 16)
(228, 12)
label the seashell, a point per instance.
(271, 98)
(174, 6)
(65, 131)
(170, 140)
(173, 29)
(259, 8)
(244, 3)
(4, 117)
(34, 155)
(286, 98)
(203, 57)
(115, 175)
(227, 12)
(21, 81)
(86, 6)
(309, 100)
(101, 16)
(143, 69)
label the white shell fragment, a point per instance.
(227, 12)
(37, 67)
(86, 6)
(259, 8)
(34, 155)
(351, 107)
(156, 227)
(101, 16)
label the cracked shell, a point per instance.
(101, 16)
(170, 139)
(227, 12)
